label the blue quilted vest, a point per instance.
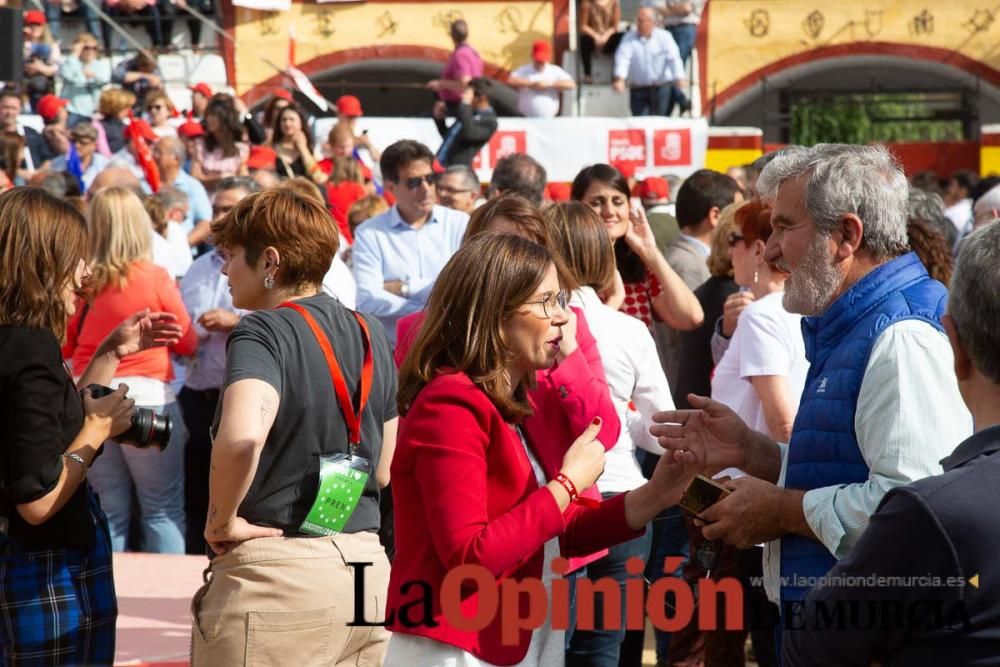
(823, 450)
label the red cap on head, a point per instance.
(140, 128)
(261, 157)
(34, 17)
(558, 191)
(202, 88)
(283, 94)
(654, 187)
(191, 129)
(541, 50)
(349, 105)
(48, 107)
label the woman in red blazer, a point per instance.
(468, 484)
(573, 390)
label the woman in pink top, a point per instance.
(125, 281)
(221, 153)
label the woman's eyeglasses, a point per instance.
(414, 181)
(550, 302)
(734, 238)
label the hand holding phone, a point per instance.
(701, 493)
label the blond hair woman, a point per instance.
(124, 280)
(84, 74)
(113, 108)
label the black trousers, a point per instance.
(199, 411)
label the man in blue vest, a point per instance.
(881, 405)
(933, 543)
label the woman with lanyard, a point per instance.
(293, 486)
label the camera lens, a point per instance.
(148, 429)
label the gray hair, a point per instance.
(844, 178)
(174, 146)
(985, 204)
(171, 197)
(244, 183)
(929, 207)
(974, 300)
(469, 179)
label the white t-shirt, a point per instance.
(339, 282)
(540, 103)
(767, 341)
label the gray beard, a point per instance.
(810, 288)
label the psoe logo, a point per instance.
(627, 147)
(470, 598)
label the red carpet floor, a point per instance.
(154, 599)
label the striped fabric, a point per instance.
(58, 607)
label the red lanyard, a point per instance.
(352, 418)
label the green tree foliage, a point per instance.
(860, 119)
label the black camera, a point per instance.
(148, 429)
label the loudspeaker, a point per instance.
(11, 48)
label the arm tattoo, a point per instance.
(267, 409)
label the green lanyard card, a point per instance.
(342, 479)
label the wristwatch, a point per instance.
(78, 459)
(404, 288)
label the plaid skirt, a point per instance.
(58, 607)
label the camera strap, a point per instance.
(351, 416)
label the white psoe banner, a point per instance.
(652, 145)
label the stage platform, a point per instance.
(154, 600)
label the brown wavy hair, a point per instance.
(522, 213)
(578, 234)
(932, 249)
(42, 240)
(483, 284)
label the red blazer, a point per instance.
(464, 493)
(566, 399)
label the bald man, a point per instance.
(649, 63)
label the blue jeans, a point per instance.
(54, 14)
(158, 478)
(671, 539)
(684, 35)
(598, 647)
(650, 100)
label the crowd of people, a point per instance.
(326, 354)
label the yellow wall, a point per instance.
(989, 160)
(502, 32)
(745, 36)
(721, 159)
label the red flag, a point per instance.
(144, 155)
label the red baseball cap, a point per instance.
(261, 157)
(283, 94)
(541, 50)
(202, 88)
(191, 129)
(140, 128)
(558, 191)
(34, 17)
(654, 187)
(48, 107)
(349, 105)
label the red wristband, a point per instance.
(568, 485)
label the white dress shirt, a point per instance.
(910, 415)
(204, 288)
(339, 283)
(386, 248)
(648, 61)
(634, 374)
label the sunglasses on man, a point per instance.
(414, 181)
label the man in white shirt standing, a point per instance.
(205, 292)
(649, 61)
(539, 83)
(881, 406)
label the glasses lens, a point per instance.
(733, 239)
(414, 182)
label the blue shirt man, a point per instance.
(397, 255)
(648, 59)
